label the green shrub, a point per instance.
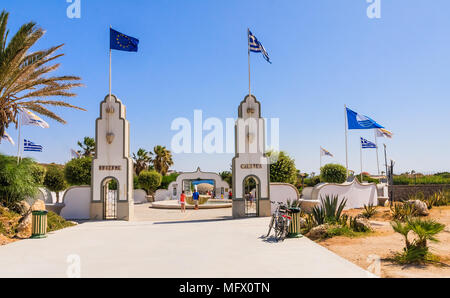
(312, 181)
(16, 181)
(56, 222)
(38, 173)
(166, 180)
(54, 180)
(136, 182)
(149, 180)
(78, 171)
(333, 173)
(283, 169)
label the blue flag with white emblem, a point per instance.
(358, 121)
(365, 144)
(122, 42)
(256, 47)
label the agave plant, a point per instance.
(330, 211)
(23, 75)
(369, 211)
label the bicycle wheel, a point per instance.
(279, 230)
(272, 221)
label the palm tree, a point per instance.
(162, 160)
(141, 160)
(425, 230)
(23, 80)
(87, 147)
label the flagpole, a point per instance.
(360, 157)
(346, 140)
(110, 66)
(249, 78)
(385, 161)
(320, 158)
(376, 144)
(18, 138)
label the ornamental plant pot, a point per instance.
(56, 208)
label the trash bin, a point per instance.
(294, 226)
(39, 224)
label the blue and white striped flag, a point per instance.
(365, 144)
(30, 146)
(256, 47)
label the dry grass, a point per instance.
(384, 242)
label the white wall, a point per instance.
(78, 202)
(357, 194)
(282, 192)
(163, 195)
(139, 196)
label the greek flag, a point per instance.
(256, 47)
(30, 146)
(365, 144)
(29, 118)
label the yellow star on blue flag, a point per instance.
(122, 42)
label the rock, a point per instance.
(302, 222)
(24, 228)
(39, 205)
(421, 207)
(362, 224)
(24, 207)
(318, 232)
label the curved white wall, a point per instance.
(282, 192)
(139, 196)
(357, 194)
(78, 202)
(162, 195)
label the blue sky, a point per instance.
(193, 55)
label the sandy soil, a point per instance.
(384, 242)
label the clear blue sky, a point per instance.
(193, 55)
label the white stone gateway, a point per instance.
(183, 182)
(251, 188)
(112, 166)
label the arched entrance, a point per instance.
(252, 194)
(110, 196)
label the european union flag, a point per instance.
(122, 42)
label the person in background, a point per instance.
(230, 195)
(183, 202)
(195, 197)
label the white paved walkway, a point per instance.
(221, 248)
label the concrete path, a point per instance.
(203, 248)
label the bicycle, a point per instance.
(280, 221)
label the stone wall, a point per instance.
(402, 192)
